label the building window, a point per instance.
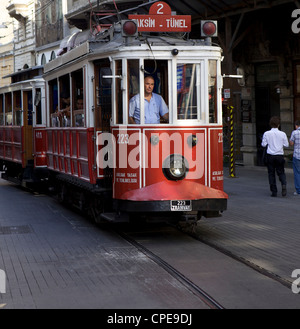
(53, 56)
(43, 60)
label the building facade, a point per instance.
(23, 14)
(38, 29)
(6, 44)
(266, 50)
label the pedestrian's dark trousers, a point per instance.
(275, 164)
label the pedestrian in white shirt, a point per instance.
(275, 140)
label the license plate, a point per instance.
(181, 205)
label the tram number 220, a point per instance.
(123, 139)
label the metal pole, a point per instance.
(232, 157)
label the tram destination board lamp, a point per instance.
(209, 29)
(129, 28)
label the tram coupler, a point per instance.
(190, 217)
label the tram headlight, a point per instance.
(175, 167)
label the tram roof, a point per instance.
(110, 42)
(29, 73)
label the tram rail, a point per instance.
(198, 291)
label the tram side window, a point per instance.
(53, 103)
(65, 101)
(78, 108)
(8, 109)
(1, 111)
(212, 91)
(187, 102)
(38, 106)
(17, 108)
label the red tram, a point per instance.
(72, 124)
(22, 126)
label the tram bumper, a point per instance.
(181, 196)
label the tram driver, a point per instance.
(155, 106)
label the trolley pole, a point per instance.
(232, 155)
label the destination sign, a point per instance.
(160, 19)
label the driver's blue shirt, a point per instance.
(153, 109)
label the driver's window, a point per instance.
(155, 87)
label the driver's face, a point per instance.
(149, 85)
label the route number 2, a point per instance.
(160, 8)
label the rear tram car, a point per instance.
(22, 125)
(97, 158)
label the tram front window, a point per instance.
(155, 89)
(187, 102)
(212, 91)
(154, 106)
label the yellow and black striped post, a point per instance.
(232, 157)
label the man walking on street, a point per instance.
(295, 140)
(275, 140)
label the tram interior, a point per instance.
(67, 100)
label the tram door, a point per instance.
(103, 106)
(103, 103)
(27, 119)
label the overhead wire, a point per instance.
(43, 7)
(118, 13)
(130, 9)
